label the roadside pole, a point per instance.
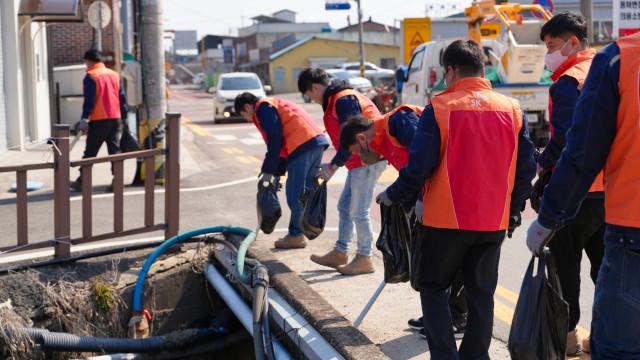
(586, 8)
(361, 42)
(155, 102)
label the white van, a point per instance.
(425, 80)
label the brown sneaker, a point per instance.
(573, 345)
(290, 242)
(332, 259)
(359, 265)
(585, 344)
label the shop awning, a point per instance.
(51, 10)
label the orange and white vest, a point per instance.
(385, 144)
(297, 126)
(577, 67)
(107, 100)
(471, 187)
(622, 170)
(332, 124)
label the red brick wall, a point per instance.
(69, 41)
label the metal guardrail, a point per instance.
(61, 165)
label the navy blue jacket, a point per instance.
(588, 145)
(90, 98)
(346, 107)
(424, 157)
(271, 124)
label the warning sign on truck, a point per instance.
(416, 32)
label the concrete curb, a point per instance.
(333, 326)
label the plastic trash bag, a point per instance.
(314, 209)
(394, 242)
(268, 205)
(128, 141)
(541, 319)
(415, 255)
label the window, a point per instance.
(416, 63)
(296, 73)
(353, 67)
(388, 63)
(369, 67)
(239, 83)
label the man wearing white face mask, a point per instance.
(570, 59)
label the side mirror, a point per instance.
(212, 90)
(267, 88)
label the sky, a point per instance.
(217, 17)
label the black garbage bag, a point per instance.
(394, 242)
(314, 209)
(541, 319)
(128, 141)
(268, 205)
(538, 189)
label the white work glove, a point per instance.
(382, 198)
(83, 125)
(419, 210)
(326, 171)
(537, 237)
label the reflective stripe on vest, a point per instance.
(385, 144)
(577, 67)
(471, 187)
(332, 124)
(107, 99)
(297, 126)
(622, 170)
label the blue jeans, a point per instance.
(615, 327)
(354, 206)
(300, 174)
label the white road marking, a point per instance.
(225, 137)
(252, 141)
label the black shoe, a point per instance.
(416, 324)
(76, 185)
(458, 331)
(459, 328)
(109, 188)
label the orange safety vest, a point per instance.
(577, 67)
(107, 101)
(332, 124)
(471, 187)
(385, 144)
(622, 170)
(297, 126)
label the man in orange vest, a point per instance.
(340, 102)
(473, 161)
(390, 136)
(569, 57)
(604, 136)
(292, 138)
(104, 105)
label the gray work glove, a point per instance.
(537, 237)
(326, 171)
(83, 125)
(265, 177)
(539, 169)
(382, 198)
(419, 211)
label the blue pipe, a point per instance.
(250, 237)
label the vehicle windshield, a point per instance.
(239, 83)
(343, 75)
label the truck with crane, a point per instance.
(514, 61)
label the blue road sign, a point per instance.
(337, 6)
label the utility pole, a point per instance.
(155, 102)
(586, 8)
(153, 55)
(360, 35)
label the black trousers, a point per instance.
(585, 231)
(443, 251)
(101, 131)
